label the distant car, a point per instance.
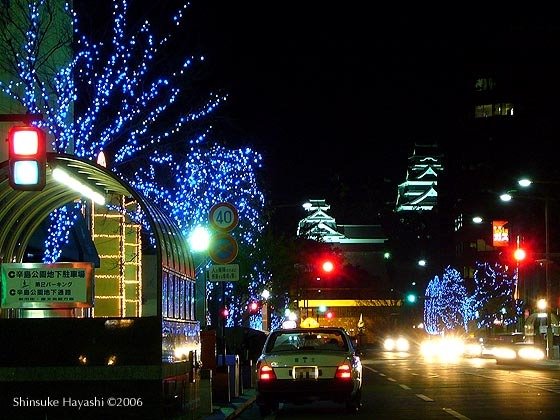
(490, 343)
(442, 348)
(521, 352)
(472, 347)
(396, 343)
(302, 365)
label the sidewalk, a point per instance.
(234, 408)
(553, 364)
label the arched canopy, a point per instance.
(22, 212)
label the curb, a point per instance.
(232, 410)
(242, 407)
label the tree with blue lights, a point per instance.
(112, 96)
(454, 298)
(494, 295)
(445, 308)
(433, 306)
(450, 307)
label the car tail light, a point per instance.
(266, 373)
(343, 372)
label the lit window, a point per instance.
(505, 109)
(484, 84)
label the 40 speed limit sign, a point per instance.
(223, 217)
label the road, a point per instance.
(405, 386)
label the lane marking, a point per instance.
(423, 397)
(455, 414)
(543, 387)
(404, 386)
(391, 379)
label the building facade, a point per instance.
(361, 289)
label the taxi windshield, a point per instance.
(290, 340)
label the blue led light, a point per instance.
(131, 113)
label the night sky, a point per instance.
(335, 95)
(326, 94)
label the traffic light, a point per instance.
(411, 297)
(253, 307)
(27, 158)
(224, 313)
(519, 254)
(327, 266)
(327, 313)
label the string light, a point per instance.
(448, 305)
(108, 98)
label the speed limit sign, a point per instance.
(223, 217)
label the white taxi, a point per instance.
(303, 365)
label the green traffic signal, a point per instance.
(411, 298)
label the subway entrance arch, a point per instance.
(140, 339)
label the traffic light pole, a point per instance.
(224, 324)
(549, 332)
(265, 323)
(549, 329)
(519, 294)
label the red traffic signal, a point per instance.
(327, 266)
(519, 254)
(253, 307)
(27, 158)
(329, 314)
(224, 313)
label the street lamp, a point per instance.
(199, 242)
(549, 333)
(199, 239)
(477, 220)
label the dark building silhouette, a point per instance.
(506, 132)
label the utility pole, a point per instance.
(549, 332)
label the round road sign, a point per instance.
(223, 248)
(223, 216)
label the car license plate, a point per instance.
(305, 372)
